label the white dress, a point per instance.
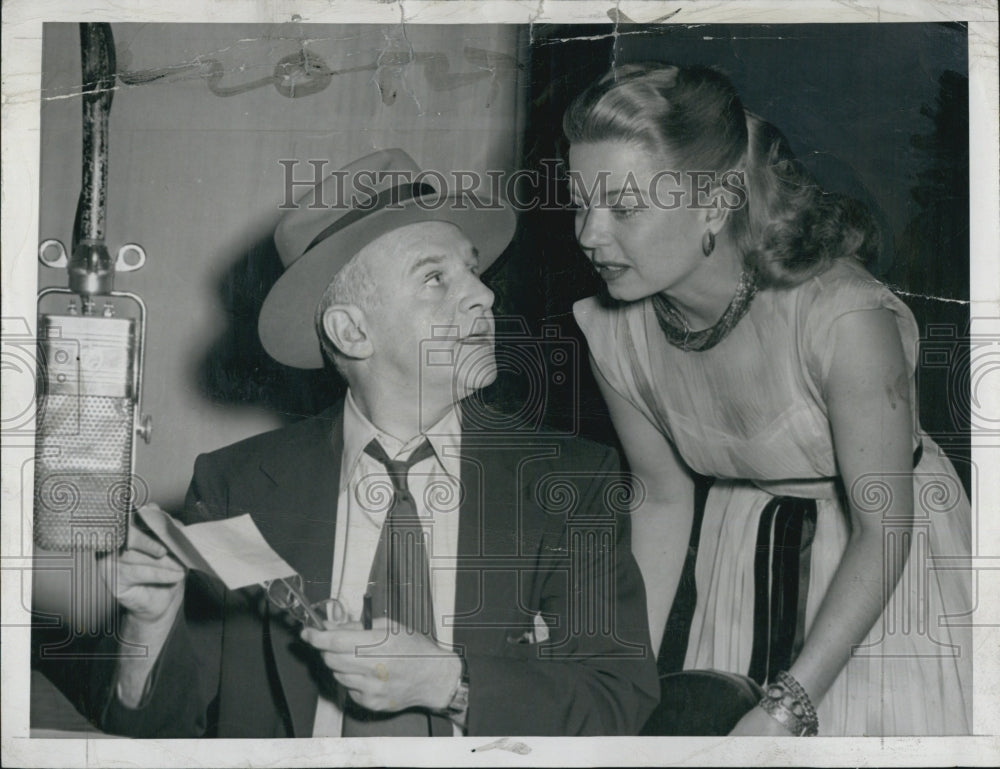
(750, 413)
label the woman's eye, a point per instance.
(433, 279)
(625, 213)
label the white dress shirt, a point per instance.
(365, 495)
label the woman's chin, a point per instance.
(622, 291)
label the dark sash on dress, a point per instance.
(781, 584)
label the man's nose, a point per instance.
(479, 295)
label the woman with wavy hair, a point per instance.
(741, 338)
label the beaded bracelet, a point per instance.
(788, 703)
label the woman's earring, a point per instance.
(708, 243)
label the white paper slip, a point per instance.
(232, 549)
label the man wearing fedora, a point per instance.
(467, 580)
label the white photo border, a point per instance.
(22, 38)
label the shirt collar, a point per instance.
(445, 438)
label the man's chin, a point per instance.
(476, 368)
(474, 379)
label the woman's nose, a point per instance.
(591, 230)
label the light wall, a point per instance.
(195, 180)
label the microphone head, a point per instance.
(84, 487)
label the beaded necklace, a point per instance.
(679, 333)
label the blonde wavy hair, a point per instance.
(790, 229)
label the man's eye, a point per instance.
(433, 279)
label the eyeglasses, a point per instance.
(286, 594)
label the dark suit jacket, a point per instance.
(538, 532)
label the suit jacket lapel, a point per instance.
(487, 530)
(306, 474)
(467, 588)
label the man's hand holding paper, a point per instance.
(147, 580)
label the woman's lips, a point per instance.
(609, 271)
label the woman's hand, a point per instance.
(757, 723)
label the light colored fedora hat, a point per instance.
(337, 218)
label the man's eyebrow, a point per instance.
(435, 259)
(424, 261)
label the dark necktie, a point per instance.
(399, 584)
(399, 588)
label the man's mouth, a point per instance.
(481, 332)
(479, 337)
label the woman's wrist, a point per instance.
(458, 703)
(788, 703)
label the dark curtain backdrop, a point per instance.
(876, 111)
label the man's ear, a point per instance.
(346, 327)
